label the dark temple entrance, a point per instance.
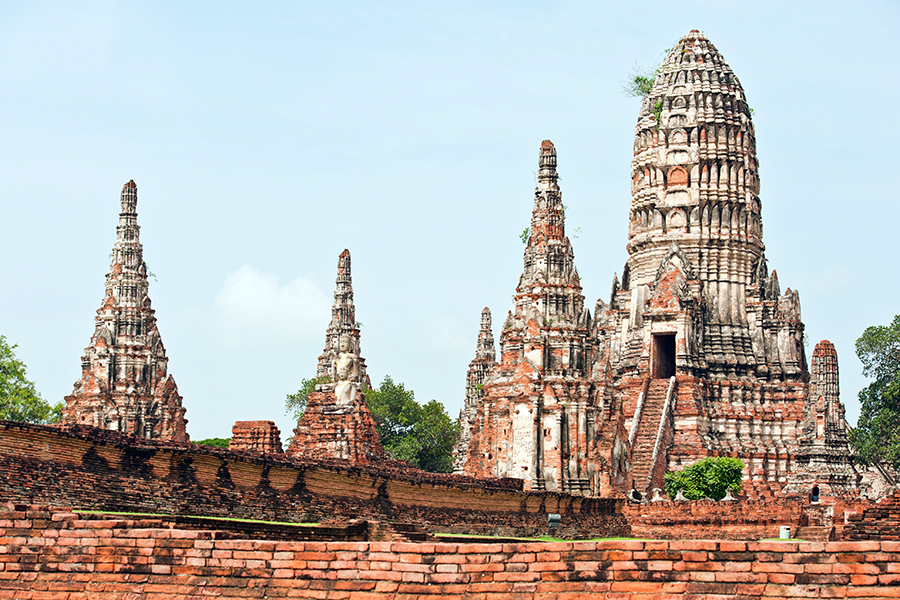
(663, 359)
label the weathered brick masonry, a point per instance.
(878, 522)
(57, 554)
(90, 468)
(705, 519)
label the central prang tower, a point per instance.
(702, 347)
(697, 353)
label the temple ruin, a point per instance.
(124, 384)
(538, 415)
(337, 423)
(697, 352)
(484, 362)
(256, 436)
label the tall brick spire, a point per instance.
(549, 281)
(343, 320)
(483, 363)
(124, 384)
(531, 419)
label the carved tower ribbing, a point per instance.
(124, 384)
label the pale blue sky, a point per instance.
(266, 137)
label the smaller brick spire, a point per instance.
(343, 320)
(485, 349)
(125, 385)
(479, 369)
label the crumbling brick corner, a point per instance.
(256, 436)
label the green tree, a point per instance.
(706, 478)
(423, 436)
(217, 442)
(877, 435)
(640, 81)
(19, 401)
(295, 404)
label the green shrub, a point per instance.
(706, 478)
(217, 442)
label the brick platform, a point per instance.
(57, 554)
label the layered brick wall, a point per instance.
(255, 436)
(60, 555)
(91, 468)
(706, 519)
(878, 522)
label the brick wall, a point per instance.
(91, 468)
(56, 554)
(875, 522)
(705, 519)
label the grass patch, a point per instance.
(231, 519)
(543, 538)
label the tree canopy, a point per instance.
(423, 436)
(706, 478)
(295, 404)
(19, 400)
(877, 435)
(217, 442)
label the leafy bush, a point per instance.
(19, 400)
(877, 435)
(706, 478)
(295, 404)
(217, 442)
(422, 435)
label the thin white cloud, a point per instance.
(257, 306)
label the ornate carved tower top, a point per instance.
(695, 232)
(124, 384)
(485, 347)
(343, 321)
(695, 174)
(549, 287)
(825, 411)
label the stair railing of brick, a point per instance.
(636, 419)
(667, 409)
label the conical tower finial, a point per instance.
(547, 164)
(343, 321)
(485, 349)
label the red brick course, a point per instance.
(103, 561)
(743, 520)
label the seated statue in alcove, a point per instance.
(346, 373)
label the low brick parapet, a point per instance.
(56, 553)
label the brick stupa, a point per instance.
(338, 424)
(124, 384)
(263, 437)
(698, 350)
(484, 362)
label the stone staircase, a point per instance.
(642, 452)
